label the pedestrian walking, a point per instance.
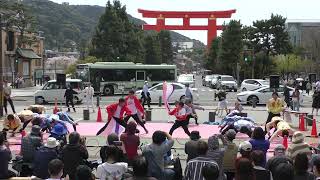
(7, 97)
(69, 98)
(308, 87)
(188, 93)
(89, 92)
(316, 101)
(296, 99)
(145, 95)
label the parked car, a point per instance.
(52, 90)
(178, 93)
(187, 79)
(206, 81)
(262, 95)
(227, 82)
(251, 84)
(214, 81)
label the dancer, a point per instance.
(136, 109)
(69, 98)
(89, 92)
(275, 106)
(191, 111)
(180, 113)
(145, 95)
(65, 117)
(12, 122)
(115, 113)
(280, 126)
(223, 104)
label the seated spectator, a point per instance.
(74, 154)
(112, 140)
(43, 156)
(83, 172)
(316, 168)
(216, 153)
(245, 149)
(194, 166)
(140, 169)
(244, 170)
(259, 142)
(111, 169)
(244, 132)
(59, 132)
(131, 141)
(298, 145)
(55, 169)
(210, 172)
(154, 153)
(258, 158)
(230, 154)
(191, 147)
(278, 158)
(283, 171)
(30, 143)
(301, 165)
(5, 157)
(13, 123)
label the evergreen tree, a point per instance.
(231, 47)
(165, 47)
(152, 50)
(212, 57)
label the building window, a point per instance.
(25, 66)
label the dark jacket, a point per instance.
(43, 156)
(69, 93)
(262, 174)
(191, 149)
(72, 156)
(119, 157)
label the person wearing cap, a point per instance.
(230, 154)
(191, 147)
(275, 106)
(12, 122)
(145, 95)
(245, 149)
(280, 126)
(30, 143)
(191, 110)
(279, 157)
(43, 156)
(298, 145)
(130, 140)
(7, 97)
(59, 132)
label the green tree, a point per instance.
(116, 38)
(231, 46)
(212, 57)
(152, 50)
(165, 47)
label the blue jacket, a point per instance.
(43, 156)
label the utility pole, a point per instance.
(1, 68)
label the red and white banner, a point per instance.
(166, 94)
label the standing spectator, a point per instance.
(89, 92)
(286, 94)
(145, 95)
(258, 159)
(83, 172)
(43, 156)
(259, 142)
(131, 141)
(5, 157)
(30, 143)
(216, 153)
(245, 149)
(55, 169)
(188, 93)
(74, 154)
(7, 97)
(301, 165)
(69, 98)
(298, 145)
(296, 99)
(230, 155)
(140, 169)
(210, 172)
(181, 119)
(223, 104)
(317, 86)
(275, 105)
(316, 101)
(278, 158)
(112, 140)
(316, 168)
(194, 166)
(191, 147)
(308, 87)
(112, 169)
(283, 171)
(244, 170)
(154, 153)
(12, 122)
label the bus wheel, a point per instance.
(108, 90)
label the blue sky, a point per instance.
(247, 10)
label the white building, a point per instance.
(183, 46)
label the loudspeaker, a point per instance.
(274, 81)
(312, 77)
(61, 79)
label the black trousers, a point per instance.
(190, 116)
(121, 122)
(177, 124)
(270, 116)
(136, 118)
(146, 99)
(70, 100)
(5, 104)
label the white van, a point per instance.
(52, 90)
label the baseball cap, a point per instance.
(195, 135)
(231, 134)
(245, 146)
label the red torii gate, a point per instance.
(212, 26)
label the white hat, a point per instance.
(245, 146)
(51, 143)
(298, 137)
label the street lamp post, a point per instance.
(1, 67)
